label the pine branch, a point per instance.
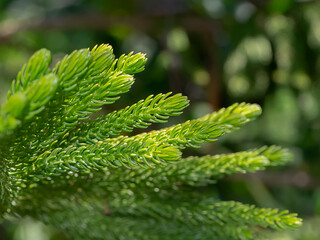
(199, 171)
(27, 103)
(191, 171)
(236, 115)
(61, 167)
(103, 224)
(112, 153)
(100, 80)
(208, 128)
(140, 115)
(206, 213)
(36, 67)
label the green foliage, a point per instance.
(64, 165)
(309, 230)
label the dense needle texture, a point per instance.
(83, 173)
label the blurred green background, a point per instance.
(216, 52)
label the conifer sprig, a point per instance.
(62, 165)
(205, 213)
(140, 115)
(198, 171)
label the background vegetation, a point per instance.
(216, 53)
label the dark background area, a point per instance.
(216, 52)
